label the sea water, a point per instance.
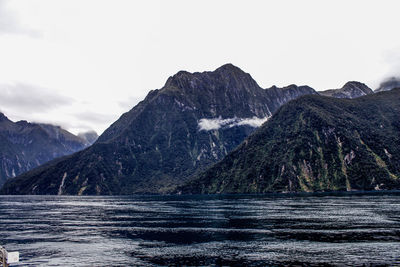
(241, 230)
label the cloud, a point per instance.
(388, 84)
(130, 102)
(30, 98)
(217, 123)
(95, 117)
(253, 122)
(214, 124)
(10, 23)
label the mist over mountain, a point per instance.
(90, 137)
(195, 120)
(389, 84)
(315, 143)
(24, 145)
(349, 90)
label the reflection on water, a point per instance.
(202, 230)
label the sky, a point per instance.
(82, 63)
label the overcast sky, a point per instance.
(81, 63)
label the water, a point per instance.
(202, 230)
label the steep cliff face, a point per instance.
(192, 122)
(349, 90)
(24, 146)
(312, 144)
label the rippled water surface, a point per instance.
(202, 230)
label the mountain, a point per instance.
(24, 145)
(176, 131)
(89, 137)
(349, 90)
(389, 84)
(315, 143)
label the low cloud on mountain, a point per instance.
(389, 84)
(217, 123)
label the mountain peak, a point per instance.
(354, 83)
(229, 67)
(358, 86)
(3, 117)
(227, 75)
(180, 78)
(351, 89)
(224, 69)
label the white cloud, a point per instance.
(10, 23)
(31, 99)
(214, 124)
(217, 123)
(253, 122)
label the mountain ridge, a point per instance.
(158, 144)
(314, 143)
(26, 145)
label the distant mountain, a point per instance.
(349, 90)
(315, 143)
(389, 84)
(192, 122)
(89, 137)
(24, 145)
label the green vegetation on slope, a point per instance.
(315, 143)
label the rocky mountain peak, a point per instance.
(354, 85)
(3, 117)
(351, 89)
(228, 76)
(180, 80)
(22, 122)
(290, 87)
(230, 68)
